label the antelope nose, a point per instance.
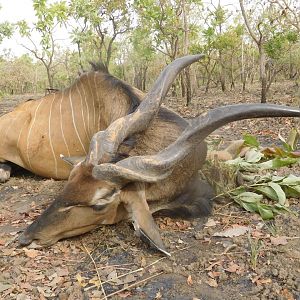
(24, 239)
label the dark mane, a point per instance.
(117, 84)
(99, 67)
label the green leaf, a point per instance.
(293, 138)
(265, 211)
(267, 191)
(238, 191)
(251, 207)
(250, 140)
(265, 165)
(292, 191)
(282, 162)
(276, 178)
(290, 180)
(253, 156)
(249, 197)
(279, 192)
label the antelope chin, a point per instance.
(33, 243)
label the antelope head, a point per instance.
(102, 192)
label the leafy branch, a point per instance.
(267, 194)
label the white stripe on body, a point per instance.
(50, 140)
(93, 98)
(82, 112)
(61, 124)
(74, 124)
(87, 109)
(29, 132)
(98, 127)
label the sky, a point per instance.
(17, 10)
(13, 11)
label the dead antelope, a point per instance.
(141, 160)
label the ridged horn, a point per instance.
(154, 168)
(105, 144)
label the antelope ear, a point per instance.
(143, 222)
(72, 160)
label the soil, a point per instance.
(261, 264)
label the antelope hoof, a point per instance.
(5, 171)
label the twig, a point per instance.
(231, 202)
(131, 286)
(116, 266)
(155, 262)
(230, 216)
(181, 249)
(131, 272)
(113, 279)
(100, 283)
(232, 253)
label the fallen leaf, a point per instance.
(232, 268)
(210, 223)
(263, 281)
(158, 295)
(95, 281)
(124, 294)
(37, 277)
(256, 234)
(32, 253)
(287, 294)
(280, 240)
(189, 280)
(128, 278)
(26, 286)
(143, 262)
(207, 240)
(217, 263)
(255, 278)
(212, 282)
(112, 275)
(9, 252)
(55, 281)
(213, 274)
(62, 272)
(97, 294)
(80, 280)
(234, 231)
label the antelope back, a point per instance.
(35, 133)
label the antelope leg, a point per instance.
(5, 171)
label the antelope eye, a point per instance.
(111, 193)
(98, 207)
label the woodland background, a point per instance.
(249, 42)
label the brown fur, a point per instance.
(25, 135)
(76, 209)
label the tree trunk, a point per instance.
(263, 75)
(207, 82)
(182, 83)
(222, 72)
(144, 78)
(187, 76)
(50, 80)
(188, 86)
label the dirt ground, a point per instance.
(261, 264)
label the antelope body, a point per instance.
(35, 133)
(137, 158)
